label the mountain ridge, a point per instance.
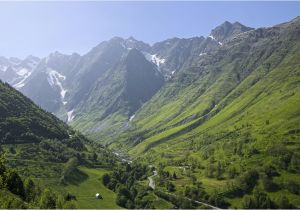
(63, 83)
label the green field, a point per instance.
(85, 183)
(85, 191)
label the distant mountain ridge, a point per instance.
(217, 112)
(16, 71)
(92, 91)
(228, 30)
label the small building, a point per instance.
(98, 196)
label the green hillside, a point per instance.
(41, 156)
(22, 121)
(184, 124)
(235, 110)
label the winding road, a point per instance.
(151, 181)
(152, 185)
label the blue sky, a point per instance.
(40, 28)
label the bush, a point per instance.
(181, 202)
(270, 171)
(269, 185)
(295, 164)
(217, 200)
(232, 172)
(284, 203)
(30, 190)
(14, 183)
(170, 186)
(292, 187)
(248, 180)
(105, 179)
(196, 193)
(259, 200)
(48, 200)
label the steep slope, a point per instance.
(97, 63)
(117, 95)
(48, 86)
(173, 55)
(203, 92)
(234, 114)
(97, 85)
(22, 121)
(228, 30)
(38, 146)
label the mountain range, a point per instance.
(99, 92)
(203, 113)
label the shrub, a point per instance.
(248, 180)
(270, 170)
(48, 200)
(232, 172)
(14, 183)
(269, 185)
(284, 203)
(292, 187)
(105, 179)
(259, 200)
(170, 186)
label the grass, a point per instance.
(85, 191)
(162, 204)
(84, 183)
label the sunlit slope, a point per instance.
(252, 88)
(270, 107)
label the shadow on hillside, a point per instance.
(76, 177)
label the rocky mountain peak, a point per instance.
(228, 30)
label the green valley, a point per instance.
(185, 123)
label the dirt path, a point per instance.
(151, 181)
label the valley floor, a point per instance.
(85, 191)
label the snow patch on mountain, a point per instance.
(123, 44)
(131, 117)
(55, 79)
(20, 84)
(70, 115)
(23, 72)
(213, 38)
(154, 59)
(158, 61)
(3, 68)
